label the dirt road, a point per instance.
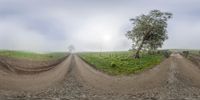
(175, 78)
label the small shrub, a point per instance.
(158, 52)
(151, 52)
(166, 53)
(199, 52)
(185, 53)
(124, 59)
(113, 64)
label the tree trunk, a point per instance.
(137, 54)
(146, 36)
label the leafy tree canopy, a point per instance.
(149, 31)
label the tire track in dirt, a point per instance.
(172, 73)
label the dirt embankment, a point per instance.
(16, 81)
(195, 59)
(23, 66)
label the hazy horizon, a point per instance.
(48, 25)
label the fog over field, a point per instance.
(90, 25)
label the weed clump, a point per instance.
(113, 65)
(185, 53)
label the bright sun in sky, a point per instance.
(106, 38)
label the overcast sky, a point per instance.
(90, 25)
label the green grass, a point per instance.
(121, 63)
(31, 55)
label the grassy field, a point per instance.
(196, 52)
(191, 51)
(32, 55)
(121, 63)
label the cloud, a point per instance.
(13, 35)
(48, 25)
(185, 35)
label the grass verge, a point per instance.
(120, 63)
(32, 55)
